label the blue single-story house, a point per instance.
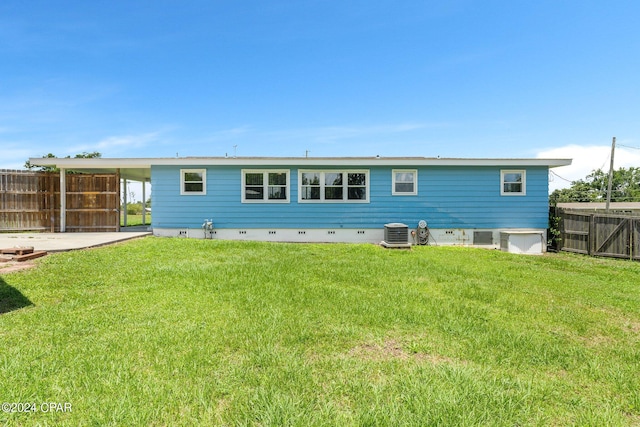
(342, 199)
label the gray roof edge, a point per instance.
(146, 163)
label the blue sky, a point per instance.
(337, 78)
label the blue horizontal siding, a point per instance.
(448, 197)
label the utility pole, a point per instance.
(613, 150)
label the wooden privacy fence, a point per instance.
(599, 234)
(30, 201)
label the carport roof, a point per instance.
(132, 169)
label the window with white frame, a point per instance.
(193, 181)
(265, 186)
(404, 182)
(513, 182)
(337, 186)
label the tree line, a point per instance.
(625, 187)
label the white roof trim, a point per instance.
(146, 163)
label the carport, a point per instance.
(126, 170)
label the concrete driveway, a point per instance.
(57, 242)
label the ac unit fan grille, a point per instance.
(396, 234)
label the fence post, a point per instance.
(592, 234)
(632, 230)
(52, 200)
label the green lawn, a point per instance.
(135, 220)
(199, 332)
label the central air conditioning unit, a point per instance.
(396, 235)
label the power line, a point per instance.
(628, 146)
(565, 179)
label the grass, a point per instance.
(194, 332)
(135, 220)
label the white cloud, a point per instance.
(585, 160)
(13, 158)
(113, 142)
(118, 144)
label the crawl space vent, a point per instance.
(482, 238)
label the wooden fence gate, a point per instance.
(30, 201)
(600, 234)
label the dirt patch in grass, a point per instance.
(597, 341)
(393, 350)
(634, 327)
(12, 266)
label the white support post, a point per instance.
(144, 202)
(125, 202)
(63, 200)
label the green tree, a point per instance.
(625, 187)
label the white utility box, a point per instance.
(523, 242)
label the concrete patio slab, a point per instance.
(58, 242)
